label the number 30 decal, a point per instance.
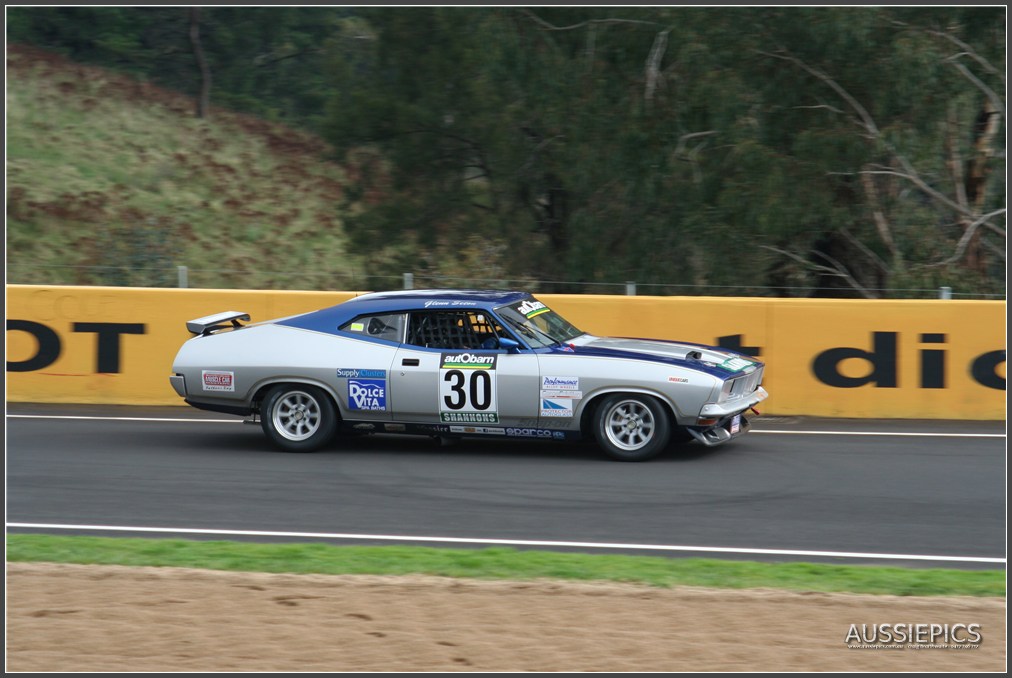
(467, 388)
(471, 390)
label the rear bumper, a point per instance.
(178, 383)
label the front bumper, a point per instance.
(730, 407)
(727, 428)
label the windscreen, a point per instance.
(539, 325)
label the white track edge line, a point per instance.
(168, 419)
(514, 542)
(776, 431)
(912, 434)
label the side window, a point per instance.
(389, 326)
(454, 330)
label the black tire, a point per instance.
(298, 417)
(631, 427)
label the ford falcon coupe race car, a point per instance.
(462, 363)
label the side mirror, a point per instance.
(511, 345)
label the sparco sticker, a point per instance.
(218, 381)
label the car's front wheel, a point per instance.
(298, 417)
(632, 427)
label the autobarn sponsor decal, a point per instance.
(215, 380)
(354, 373)
(467, 361)
(556, 407)
(367, 394)
(560, 383)
(531, 308)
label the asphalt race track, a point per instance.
(850, 490)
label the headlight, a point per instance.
(725, 390)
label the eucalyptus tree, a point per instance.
(775, 148)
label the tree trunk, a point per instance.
(204, 99)
(986, 129)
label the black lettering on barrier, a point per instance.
(734, 343)
(882, 358)
(107, 358)
(984, 369)
(49, 346)
(932, 363)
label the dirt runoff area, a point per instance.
(130, 619)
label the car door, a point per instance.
(361, 380)
(447, 374)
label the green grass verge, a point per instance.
(502, 563)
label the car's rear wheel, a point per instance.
(632, 427)
(298, 417)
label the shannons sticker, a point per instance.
(215, 380)
(467, 361)
(469, 417)
(367, 394)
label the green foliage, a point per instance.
(502, 563)
(601, 171)
(844, 150)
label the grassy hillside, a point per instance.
(113, 181)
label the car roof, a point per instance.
(329, 319)
(476, 296)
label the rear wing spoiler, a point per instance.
(210, 323)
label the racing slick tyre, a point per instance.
(631, 427)
(298, 417)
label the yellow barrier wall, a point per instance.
(837, 358)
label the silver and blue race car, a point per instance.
(462, 363)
